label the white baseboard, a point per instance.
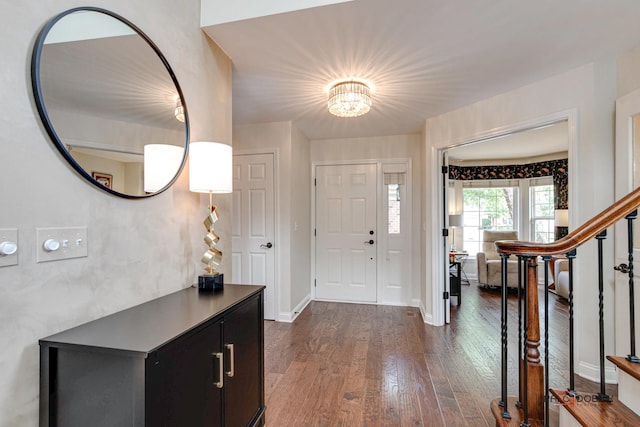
(592, 372)
(289, 317)
(427, 318)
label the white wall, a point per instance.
(300, 224)
(293, 206)
(138, 249)
(587, 92)
(382, 148)
(103, 132)
(629, 72)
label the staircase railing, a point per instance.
(533, 392)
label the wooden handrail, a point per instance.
(577, 237)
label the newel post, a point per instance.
(533, 370)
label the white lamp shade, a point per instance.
(455, 220)
(161, 163)
(210, 167)
(561, 218)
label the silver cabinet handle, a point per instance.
(220, 357)
(232, 356)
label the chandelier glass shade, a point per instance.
(179, 111)
(349, 99)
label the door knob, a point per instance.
(622, 268)
(267, 246)
(371, 242)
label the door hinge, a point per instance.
(445, 295)
(445, 169)
(445, 232)
(315, 182)
(315, 283)
(314, 232)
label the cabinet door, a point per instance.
(181, 382)
(244, 397)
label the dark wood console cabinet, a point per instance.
(186, 359)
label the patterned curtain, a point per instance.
(557, 169)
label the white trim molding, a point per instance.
(290, 317)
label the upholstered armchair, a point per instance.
(490, 263)
(561, 277)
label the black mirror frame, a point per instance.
(42, 111)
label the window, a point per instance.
(393, 214)
(541, 202)
(487, 209)
(525, 205)
(394, 181)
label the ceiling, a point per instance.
(424, 57)
(115, 77)
(524, 146)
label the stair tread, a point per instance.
(595, 413)
(516, 414)
(630, 368)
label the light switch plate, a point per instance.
(72, 243)
(9, 235)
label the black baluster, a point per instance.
(525, 371)
(503, 322)
(632, 357)
(546, 338)
(572, 385)
(520, 342)
(602, 396)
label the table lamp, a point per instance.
(454, 221)
(161, 163)
(210, 171)
(561, 223)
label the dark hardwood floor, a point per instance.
(367, 365)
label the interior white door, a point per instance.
(627, 179)
(346, 266)
(446, 242)
(253, 232)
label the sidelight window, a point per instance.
(394, 183)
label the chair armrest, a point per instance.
(481, 259)
(561, 265)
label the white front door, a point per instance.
(346, 267)
(627, 179)
(254, 225)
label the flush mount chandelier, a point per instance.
(349, 99)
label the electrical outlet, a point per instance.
(54, 244)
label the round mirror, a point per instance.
(110, 102)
